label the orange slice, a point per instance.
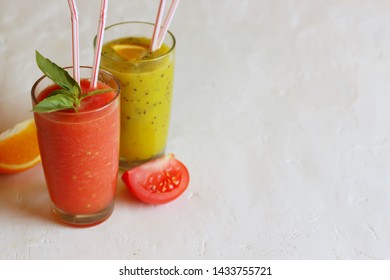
(19, 147)
(130, 52)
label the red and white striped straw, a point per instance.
(157, 26)
(167, 22)
(75, 40)
(99, 43)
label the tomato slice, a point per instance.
(158, 181)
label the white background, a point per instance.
(281, 112)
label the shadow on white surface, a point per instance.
(24, 196)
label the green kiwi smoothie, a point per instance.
(146, 81)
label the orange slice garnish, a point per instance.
(130, 52)
(19, 147)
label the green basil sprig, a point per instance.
(69, 96)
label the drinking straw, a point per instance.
(75, 40)
(99, 43)
(157, 26)
(167, 22)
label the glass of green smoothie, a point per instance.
(146, 81)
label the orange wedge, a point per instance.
(19, 147)
(130, 52)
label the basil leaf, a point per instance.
(54, 103)
(95, 92)
(61, 91)
(57, 74)
(69, 96)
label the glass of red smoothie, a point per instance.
(80, 150)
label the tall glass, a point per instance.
(146, 81)
(80, 153)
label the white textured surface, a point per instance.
(281, 112)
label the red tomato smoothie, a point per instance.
(80, 151)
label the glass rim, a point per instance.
(40, 79)
(138, 61)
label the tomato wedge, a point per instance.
(158, 181)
